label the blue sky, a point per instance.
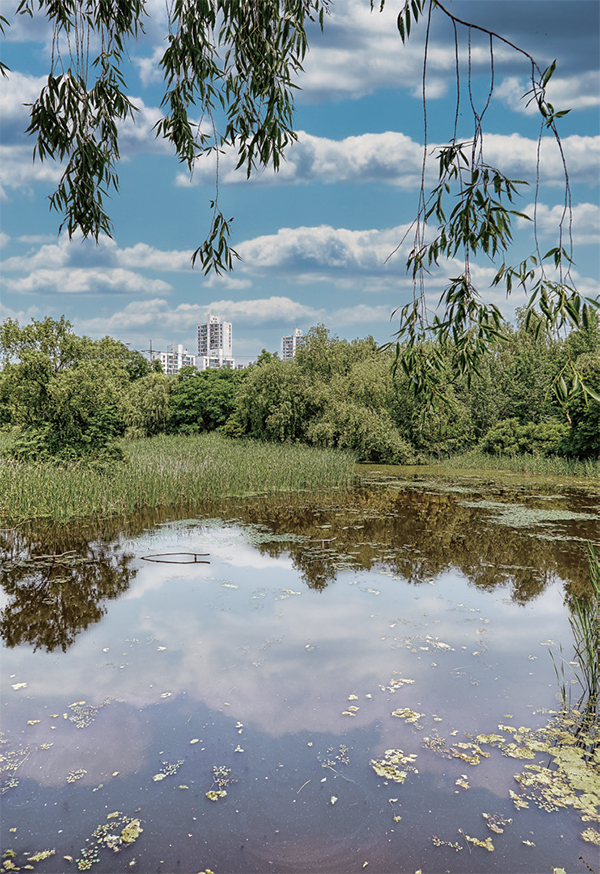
(315, 237)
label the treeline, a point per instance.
(67, 396)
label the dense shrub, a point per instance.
(510, 438)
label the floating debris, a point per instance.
(84, 714)
(572, 778)
(463, 783)
(17, 686)
(591, 835)
(487, 844)
(519, 802)
(75, 774)
(409, 716)
(177, 557)
(453, 845)
(167, 770)
(388, 766)
(214, 795)
(495, 822)
(456, 750)
(121, 831)
(38, 857)
(396, 684)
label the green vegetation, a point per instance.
(539, 465)
(584, 618)
(165, 471)
(69, 403)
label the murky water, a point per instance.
(409, 615)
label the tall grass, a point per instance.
(584, 619)
(166, 471)
(529, 464)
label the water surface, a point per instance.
(272, 673)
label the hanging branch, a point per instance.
(231, 63)
(473, 207)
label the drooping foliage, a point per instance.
(226, 62)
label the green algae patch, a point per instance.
(468, 752)
(408, 715)
(519, 516)
(38, 857)
(572, 777)
(131, 832)
(119, 832)
(486, 844)
(394, 765)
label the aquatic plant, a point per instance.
(166, 471)
(584, 620)
(552, 465)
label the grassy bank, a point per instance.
(165, 471)
(527, 464)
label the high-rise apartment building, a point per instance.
(215, 344)
(290, 345)
(175, 358)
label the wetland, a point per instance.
(368, 678)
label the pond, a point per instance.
(333, 682)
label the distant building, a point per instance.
(215, 344)
(290, 345)
(175, 358)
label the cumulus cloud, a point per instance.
(585, 222)
(393, 158)
(313, 249)
(158, 315)
(105, 254)
(567, 92)
(77, 281)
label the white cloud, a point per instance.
(585, 222)
(18, 170)
(262, 311)
(309, 249)
(142, 317)
(78, 253)
(575, 92)
(393, 158)
(78, 281)
(22, 315)
(362, 314)
(4, 240)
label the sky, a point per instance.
(314, 238)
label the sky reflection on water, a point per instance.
(243, 657)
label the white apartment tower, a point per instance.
(290, 345)
(215, 344)
(175, 358)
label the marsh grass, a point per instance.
(528, 464)
(166, 471)
(584, 619)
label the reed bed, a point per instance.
(528, 464)
(166, 471)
